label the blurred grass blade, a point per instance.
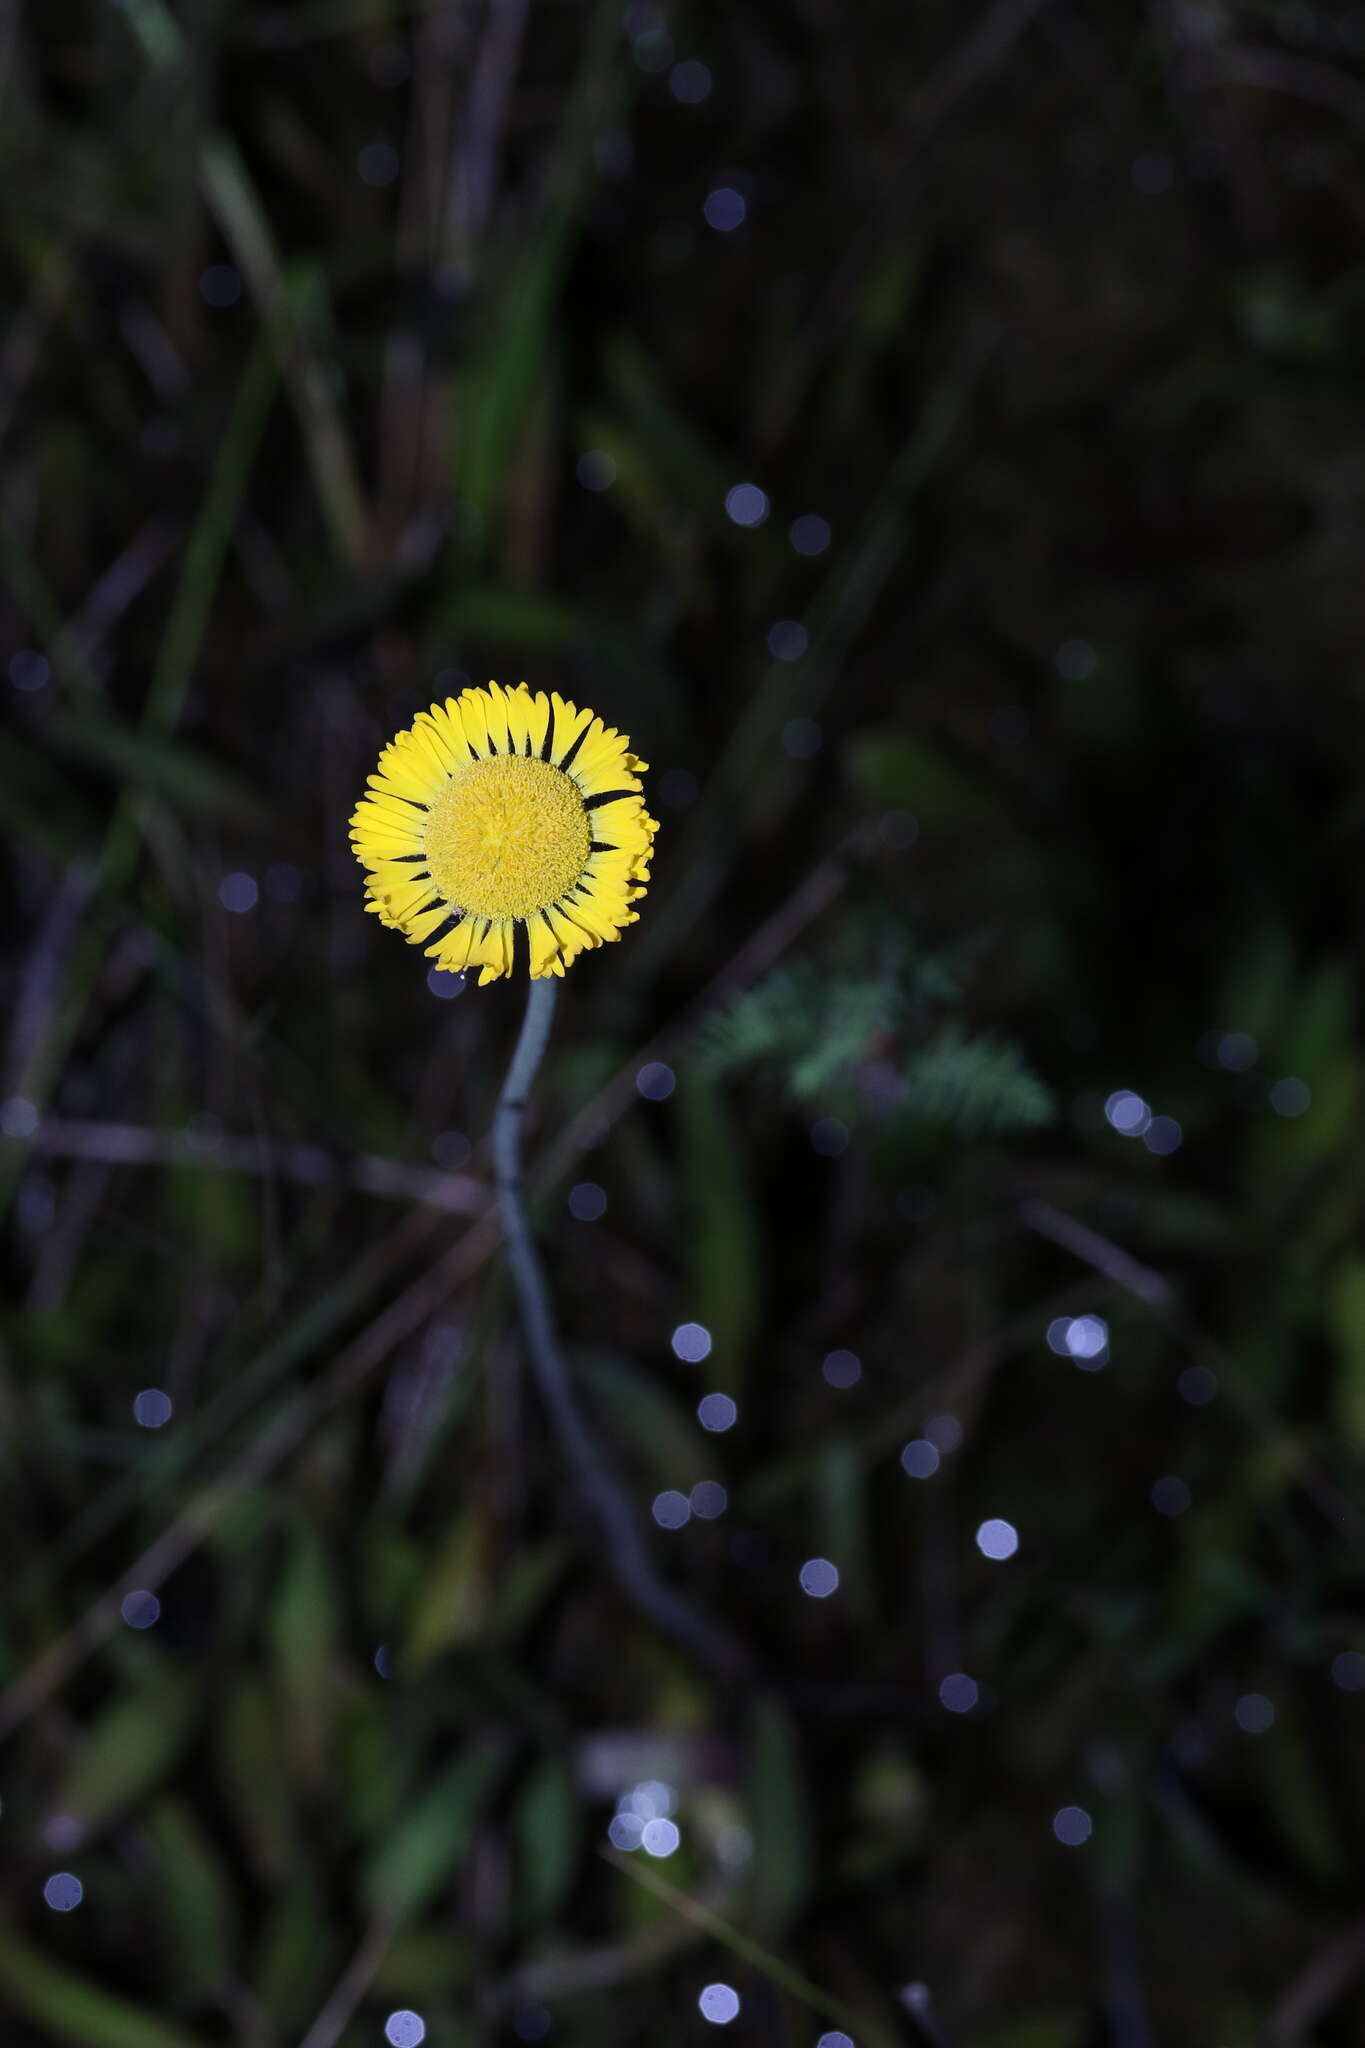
(546, 1835)
(496, 395)
(305, 1629)
(44, 614)
(864, 2031)
(209, 540)
(129, 1748)
(429, 1846)
(283, 305)
(195, 1900)
(290, 308)
(70, 2008)
(781, 1870)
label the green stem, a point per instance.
(598, 1482)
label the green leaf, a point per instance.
(1303, 1800)
(781, 1870)
(298, 1952)
(545, 1832)
(428, 1847)
(304, 1628)
(71, 2008)
(258, 1788)
(642, 1412)
(975, 1085)
(160, 766)
(131, 1745)
(195, 1901)
(891, 768)
(452, 1604)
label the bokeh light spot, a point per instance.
(842, 1368)
(405, 2029)
(239, 893)
(596, 470)
(1254, 1713)
(810, 534)
(1072, 1825)
(377, 164)
(1236, 1051)
(689, 82)
(660, 1837)
(1171, 1495)
(141, 1609)
(18, 1117)
(997, 1539)
(717, 1412)
(691, 1342)
(959, 1693)
(944, 1433)
(443, 985)
(1348, 1671)
(920, 1458)
(1127, 1113)
(220, 286)
(724, 209)
(746, 504)
(819, 1578)
(802, 738)
(787, 640)
(1075, 659)
(1289, 1096)
(29, 671)
(708, 1499)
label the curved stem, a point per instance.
(626, 1553)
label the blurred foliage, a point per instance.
(352, 348)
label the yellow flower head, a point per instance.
(498, 809)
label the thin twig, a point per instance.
(1093, 1250)
(1325, 1978)
(115, 1144)
(354, 1981)
(41, 983)
(1322, 85)
(603, 1969)
(625, 1551)
(484, 117)
(750, 1951)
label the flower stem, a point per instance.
(598, 1482)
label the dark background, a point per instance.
(353, 349)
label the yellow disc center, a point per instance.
(507, 836)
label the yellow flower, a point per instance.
(498, 809)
